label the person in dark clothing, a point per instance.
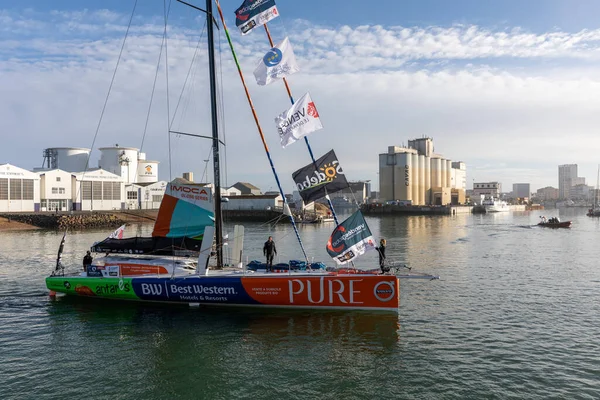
(87, 260)
(381, 251)
(269, 251)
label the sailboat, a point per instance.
(172, 266)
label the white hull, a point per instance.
(497, 208)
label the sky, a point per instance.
(511, 88)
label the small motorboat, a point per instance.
(561, 224)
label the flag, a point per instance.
(350, 239)
(118, 233)
(314, 183)
(279, 62)
(253, 13)
(298, 121)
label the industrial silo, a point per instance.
(414, 178)
(70, 159)
(147, 171)
(404, 191)
(422, 181)
(122, 161)
(427, 180)
(443, 175)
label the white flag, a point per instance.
(118, 233)
(298, 121)
(279, 62)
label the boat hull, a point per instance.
(352, 292)
(565, 224)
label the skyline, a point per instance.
(511, 95)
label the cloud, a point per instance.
(374, 86)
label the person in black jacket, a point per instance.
(381, 251)
(87, 260)
(269, 251)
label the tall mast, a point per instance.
(215, 133)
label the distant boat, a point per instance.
(563, 224)
(491, 204)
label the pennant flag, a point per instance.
(279, 62)
(118, 233)
(298, 121)
(350, 239)
(253, 13)
(314, 183)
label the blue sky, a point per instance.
(512, 88)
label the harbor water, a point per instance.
(514, 315)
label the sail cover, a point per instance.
(186, 209)
(314, 183)
(350, 239)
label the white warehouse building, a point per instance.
(19, 189)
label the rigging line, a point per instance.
(167, 88)
(239, 68)
(312, 156)
(162, 44)
(187, 76)
(112, 81)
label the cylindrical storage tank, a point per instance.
(449, 173)
(427, 180)
(443, 173)
(147, 171)
(70, 159)
(422, 180)
(403, 178)
(436, 165)
(122, 161)
(414, 178)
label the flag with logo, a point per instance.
(279, 62)
(118, 233)
(298, 121)
(318, 179)
(350, 239)
(253, 13)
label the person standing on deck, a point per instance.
(381, 251)
(269, 251)
(87, 260)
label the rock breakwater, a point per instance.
(66, 221)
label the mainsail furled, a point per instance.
(350, 239)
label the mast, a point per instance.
(215, 134)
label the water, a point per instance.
(515, 315)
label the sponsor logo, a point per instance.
(406, 175)
(328, 173)
(67, 285)
(329, 244)
(243, 13)
(349, 255)
(152, 289)
(384, 291)
(187, 189)
(112, 289)
(335, 291)
(312, 110)
(273, 57)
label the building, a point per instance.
(56, 190)
(356, 193)
(492, 189)
(98, 190)
(581, 192)
(147, 196)
(246, 188)
(567, 173)
(418, 175)
(19, 189)
(547, 193)
(254, 202)
(521, 190)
